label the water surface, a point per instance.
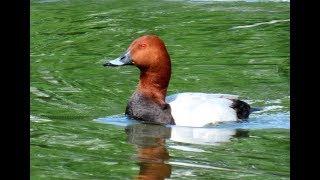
(232, 47)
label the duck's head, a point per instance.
(146, 52)
(150, 55)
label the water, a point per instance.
(78, 130)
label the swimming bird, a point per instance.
(150, 103)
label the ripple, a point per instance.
(38, 119)
(185, 148)
(259, 24)
(38, 92)
(200, 166)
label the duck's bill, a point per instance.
(124, 59)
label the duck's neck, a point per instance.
(154, 82)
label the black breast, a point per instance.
(143, 108)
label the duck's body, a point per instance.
(149, 102)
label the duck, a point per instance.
(149, 102)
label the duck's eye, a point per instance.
(143, 45)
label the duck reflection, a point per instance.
(209, 136)
(152, 154)
(150, 140)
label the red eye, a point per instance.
(143, 45)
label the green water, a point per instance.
(218, 47)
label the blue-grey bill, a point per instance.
(125, 59)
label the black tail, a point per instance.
(243, 109)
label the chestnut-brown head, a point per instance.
(146, 52)
(149, 52)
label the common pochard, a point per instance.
(149, 102)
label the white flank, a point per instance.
(200, 109)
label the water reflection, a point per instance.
(152, 154)
(210, 136)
